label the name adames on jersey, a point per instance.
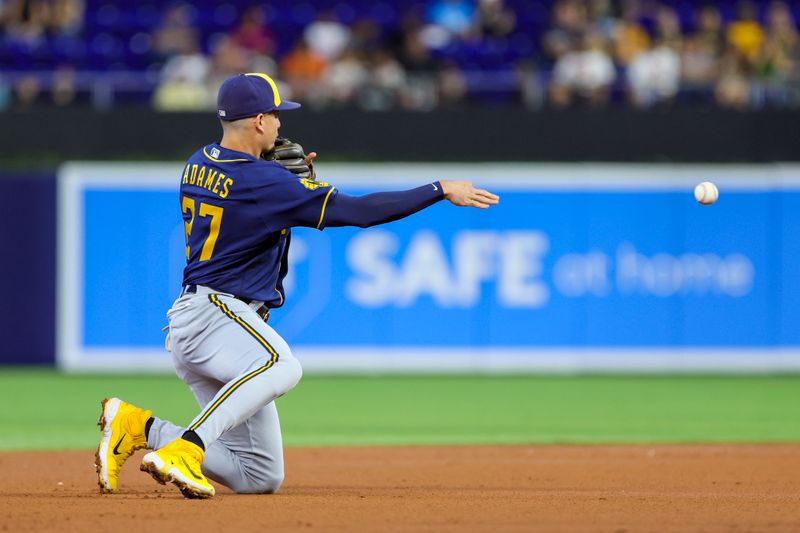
(207, 178)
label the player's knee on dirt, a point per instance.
(267, 482)
(268, 485)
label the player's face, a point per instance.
(271, 124)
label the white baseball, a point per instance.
(706, 193)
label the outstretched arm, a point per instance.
(382, 207)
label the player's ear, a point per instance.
(258, 120)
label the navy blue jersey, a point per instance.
(237, 212)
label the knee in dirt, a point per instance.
(265, 485)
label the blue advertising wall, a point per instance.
(27, 267)
(607, 267)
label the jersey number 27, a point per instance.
(215, 212)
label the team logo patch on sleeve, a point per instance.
(313, 185)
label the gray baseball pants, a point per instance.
(236, 365)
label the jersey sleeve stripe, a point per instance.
(324, 205)
(214, 159)
(272, 360)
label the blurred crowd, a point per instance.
(656, 57)
(417, 56)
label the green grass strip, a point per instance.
(46, 410)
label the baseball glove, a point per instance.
(291, 156)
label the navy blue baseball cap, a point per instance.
(247, 95)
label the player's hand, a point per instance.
(309, 161)
(462, 193)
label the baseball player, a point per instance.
(238, 207)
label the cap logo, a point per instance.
(222, 112)
(276, 97)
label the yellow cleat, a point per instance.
(122, 426)
(179, 462)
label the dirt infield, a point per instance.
(500, 488)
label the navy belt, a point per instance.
(262, 311)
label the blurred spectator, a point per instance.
(414, 55)
(668, 25)
(701, 58)
(68, 16)
(602, 20)
(25, 23)
(27, 91)
(452, 84)
(776, 63)
(303, 69)
(227, 59)
(64, 91)
(781, 27)
(569, 26)
(326, 36)
(387, 80)
(583, 75)
(654, 75)
(345, 77)
(699, 69)
(365, 36)
(495, 19)
(419, 93)
(183, 82)
(631, 37)
(530, 87)
(435, 37)
(745, 33)
(264, 64)
(176, 34)
(181, 94)
(709, 30)
(190, 65)
(252, 32)
(732, 90)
